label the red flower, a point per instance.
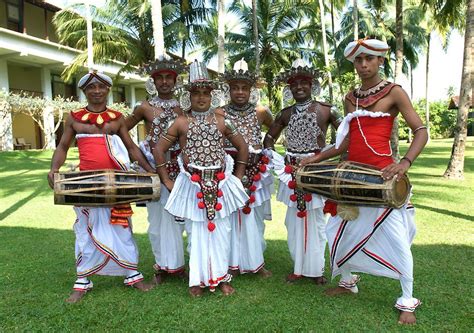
(293, 197)
(265, 159)
(201, 205)
(301, 214)
(288, 169)
(262, 168)
(211, 226)
(252, 188)
(308, 197)
(257, 177)
(292, 184)
(195, 177)
(220, 193)
(330, 207)
(252, 199)
(200, 195)
(246, 210)
(218, 206)
(220, 176)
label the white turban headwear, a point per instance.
(93, 77)
(369, 46)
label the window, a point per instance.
(119, 94)
(15, 15)
(62, 89)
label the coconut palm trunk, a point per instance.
(220, 36)
(158, 35)
(325, 48)
(355, 16)
(455, 168)
(255, 37)
(427, 104)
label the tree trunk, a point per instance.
(355, 19)
(398, 71)
(411, 97)
(255, 37)
(325, 48)
(220, 36)
(158, 35)
(455, 168)
(427, 105)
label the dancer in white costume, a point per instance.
(206, 192)
(104, 240)
(378, 240)
(248, 225)
(306, 123)
(159, 112)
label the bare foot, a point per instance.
(337, 291)
(75, 296)
(233, 272)
(143, 286)
(195, 291)
(226, 288)
(293, 277)
(407, 318)
(157, 279)
(320, 280)
(265, 273)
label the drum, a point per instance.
(353, 183)
(104, 187)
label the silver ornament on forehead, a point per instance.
(315, 88)
(217, 98)
(287, 95)
(225, 88)
(254, 96)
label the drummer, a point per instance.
(306, 123)
(377, 241)
(104, 241)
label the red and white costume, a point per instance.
(103, 248)
(378, 241)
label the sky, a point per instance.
(445, 66)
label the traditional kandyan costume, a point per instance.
(378, 241)
(305, 221)
(104, 238)
(165, 231)
(248, 226)
(206, 193)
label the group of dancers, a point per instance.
(217, 177)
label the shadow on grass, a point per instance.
(446, 212)
(40, 190)
(37, 265)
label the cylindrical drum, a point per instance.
(353, 183)
(104, 187)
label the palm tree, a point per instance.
(455, 169)
(220, 36)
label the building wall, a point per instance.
(24, 77)
(3, 14)
(25, 127)
(51, 29)
(34, 24)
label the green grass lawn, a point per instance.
(37, 267)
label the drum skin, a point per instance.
(104, 187)
(353, 183)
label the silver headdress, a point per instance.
(240, 73)
(199, 78)
(298, 69)
(163, 63)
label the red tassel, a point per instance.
(265, 159)
(200, 195)
(195, 178)
(220, 193)
(257, 177)
(211, 226)
(218, 206)
(201, 205)
(292, 184)
(262, 168)
(252, 188)
(308, 197)
(293, 197)
(252, 199)
(220, 176)
(246, 210)
(288, 169)
(301, 214)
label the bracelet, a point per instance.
(407, 159)
(241, 162)
(419, 128)
(166, 138)
(160, 165)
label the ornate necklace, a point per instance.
(372, 90)
(161, 121)
(303, 129)
(247, 124)
(201, 115)
(303, 106)
(239, 110)
(98, 119)
(165, 104)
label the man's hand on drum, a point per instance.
(311, 159)
(395, 169)
(51, 178)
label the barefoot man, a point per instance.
(159, 112)
(306, 123)
(104, 240)
(248, 226)
(378, 241)
(206, 192)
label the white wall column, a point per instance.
(48, 112)
(6, 122)
(131, 98)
